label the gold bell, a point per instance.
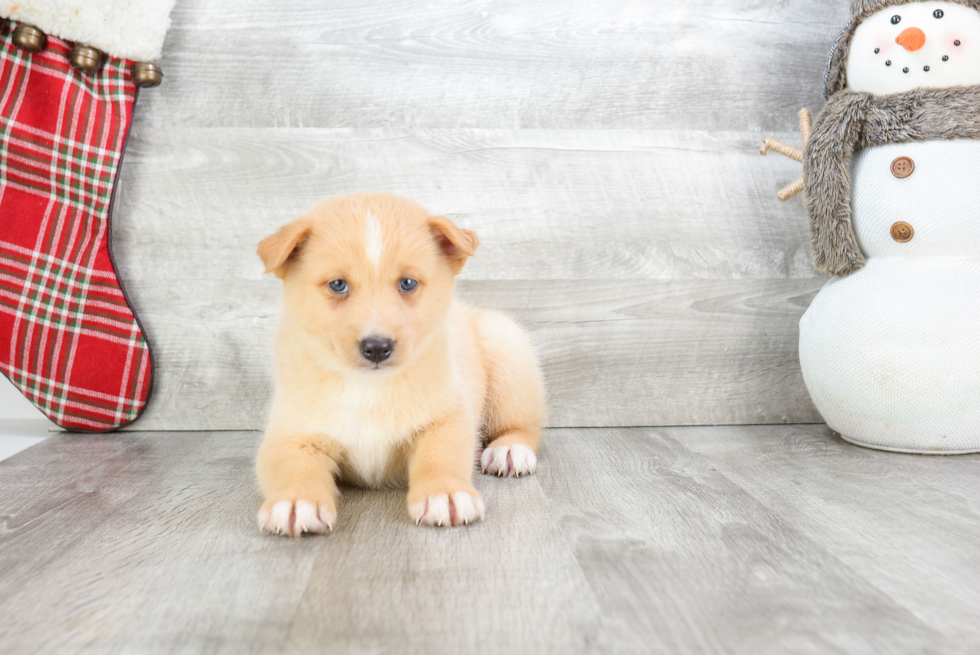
(29, 38)
(86, 58)
(147, 75)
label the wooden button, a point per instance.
(902, 232)
(903, 167)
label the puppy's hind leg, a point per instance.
(515, 404)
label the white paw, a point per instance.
(444, 510)
(516, 460)
(295, 520)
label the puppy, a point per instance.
(382, 378)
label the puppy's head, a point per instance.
(369, 277)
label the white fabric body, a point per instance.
(891, 353)
(129, 29)
(867, 70)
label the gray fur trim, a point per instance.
(835, 76)
(834, 73)
(827, 183)
(851, 121)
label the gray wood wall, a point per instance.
(606, 153)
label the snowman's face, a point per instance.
(918, 44)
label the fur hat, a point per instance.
(835, 77)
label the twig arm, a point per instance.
(790, 190)
(776, 145)
(806, 124)
(794, 153)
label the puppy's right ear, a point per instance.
(275, 250)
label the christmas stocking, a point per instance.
(68, 84)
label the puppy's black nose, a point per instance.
(377, 349)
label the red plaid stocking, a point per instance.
(68, 339)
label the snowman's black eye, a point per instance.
(945, 57)
(956, 42)
(896, 20)
(905, 70)
(888, 63)
(877, 50)
(938, 13)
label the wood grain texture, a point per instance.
(547, 204)
(175, 536)
(463, 591)
(685, 541)
(918, 543)
(614, 352)
(607, 155)
(569, 64)
(684, 304)
(723, 554)
(170, 560)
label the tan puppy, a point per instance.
(382, 378)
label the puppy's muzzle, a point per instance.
(377, 349)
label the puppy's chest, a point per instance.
(373, 429)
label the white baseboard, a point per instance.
(16, 435)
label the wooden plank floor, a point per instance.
(770, 539)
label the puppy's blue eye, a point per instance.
(896, 20)
(338, 286)
(407, 284)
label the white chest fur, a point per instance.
(371, 418)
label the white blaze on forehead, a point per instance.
(868, 71)
(373, 243)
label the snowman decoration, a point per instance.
(890, 347)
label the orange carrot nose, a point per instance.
(911, 39)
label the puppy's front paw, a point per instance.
(443, 510)
(295, 519)
(512, 459)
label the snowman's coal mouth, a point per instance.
(926, 68)
(906, 69)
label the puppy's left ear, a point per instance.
(275, 250)
(456, 243)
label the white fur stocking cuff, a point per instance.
(129, 29)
